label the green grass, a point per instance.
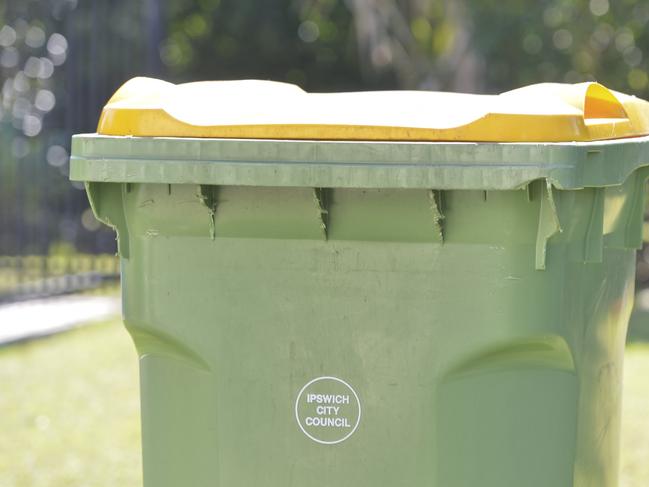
(69, 412)
(635, 419)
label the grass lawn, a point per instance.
(635, 419)
(69, 412)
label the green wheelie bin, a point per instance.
(374, 289)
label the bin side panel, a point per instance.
(469, 365)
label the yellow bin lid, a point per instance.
(548, 112)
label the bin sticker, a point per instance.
(328, 410)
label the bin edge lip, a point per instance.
(576, 143)
(355, 164)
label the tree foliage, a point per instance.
(492, 45)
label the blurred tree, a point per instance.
(324, 44)
(430, 44)
(564, 41)
(427, 45)
(307, 43)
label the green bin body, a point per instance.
(374, 314)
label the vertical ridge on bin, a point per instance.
(208, 196)
(594, 238)
(435, 198)
(636, 202)
(549, 225)
(321, 200)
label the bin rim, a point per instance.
(354, 164)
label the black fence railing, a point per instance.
(37, 276)
(59, 63)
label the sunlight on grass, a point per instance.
(69, 412)
(635, 419)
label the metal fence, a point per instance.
(60, 60)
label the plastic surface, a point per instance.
(354, 164)
(271, 110)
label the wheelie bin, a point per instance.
(374, 289)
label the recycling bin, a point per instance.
(374, 289)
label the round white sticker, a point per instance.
(328, 410)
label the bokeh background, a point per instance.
(60, 60)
